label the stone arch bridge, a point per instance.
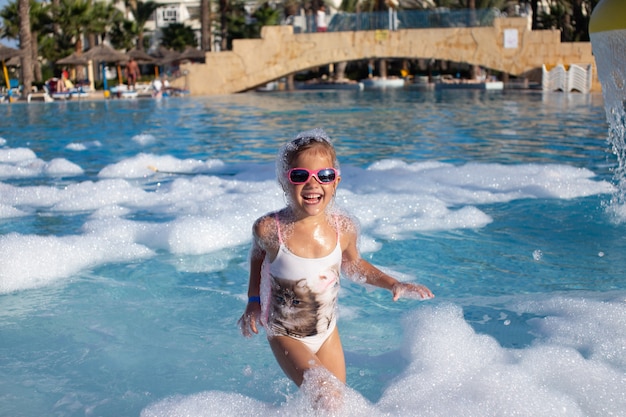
(508, 46)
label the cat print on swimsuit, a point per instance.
(302, 308)
(328, 278)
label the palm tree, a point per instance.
(26, 45)
(142, 12)
(40, 26)
(102, 17)
(123, 34)
(205, 25)
(224, 11)
(73, 16)
(128, 33)
(177, 36)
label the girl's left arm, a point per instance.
(360, 270)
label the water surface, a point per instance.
(125, 226)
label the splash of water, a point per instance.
(609, 48)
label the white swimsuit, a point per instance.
(299, 295)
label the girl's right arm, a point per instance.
(252, 315)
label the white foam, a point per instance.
(145, 165)
(8, 212)
(144, 139)
(207, 212)
(14, 155)
(575, 367)
(83, 146)
(455, 371)
(30, 261)
(23, 163)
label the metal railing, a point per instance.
(412, 19)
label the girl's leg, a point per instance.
(295, 358)
(332, 357)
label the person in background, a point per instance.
(132, 73)
(157, 88)
(321, 19)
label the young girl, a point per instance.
(296, 259)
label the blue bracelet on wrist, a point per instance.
(255, 299)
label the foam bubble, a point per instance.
(83, 146)
(14, 155)
(60, 167)
(23, 163)
(455, 371)
(144, 139)
(209, 404)
(574, 368)
(29, 261)
(76, 147)
(8, 212)
(207, 212)
(145, 165)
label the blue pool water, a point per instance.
(125, 226)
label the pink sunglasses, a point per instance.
(324, 176)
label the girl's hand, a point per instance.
(248, 321)
(408, 290)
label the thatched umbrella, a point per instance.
(105, 54)
(164, 56)
(140, 56)
(16, 61)
(192, 54)
(73, 59)
(79, 60)
(7, 53)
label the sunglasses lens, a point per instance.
(298, 176)
(326, 175)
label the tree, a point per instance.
(263, 16)
(40, 27)
(101, 18)
(72, 16)
(26, 47)
(129, 33)
(123, 34)
(205, 25)
(177, 36)
(224, 10)
(242, 26)
(142, 12)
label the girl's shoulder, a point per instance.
(345, 223)
(266, 231)
(266, 225)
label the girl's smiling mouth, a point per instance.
(312, 198)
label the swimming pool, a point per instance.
(125, 227)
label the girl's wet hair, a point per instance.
(302, 142)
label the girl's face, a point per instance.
(312, 197)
